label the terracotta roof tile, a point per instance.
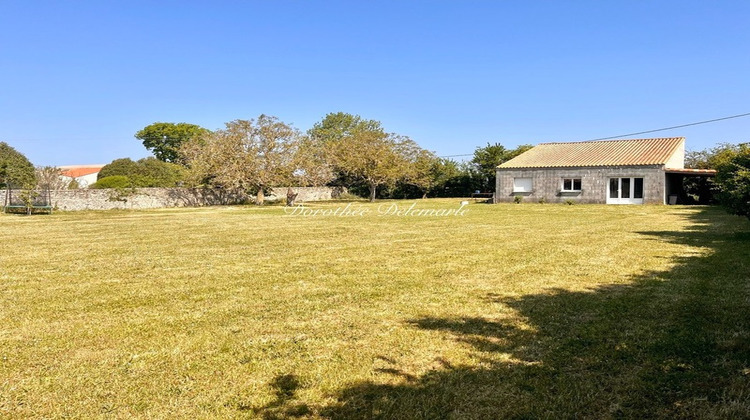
(597, 153)
(81, 171)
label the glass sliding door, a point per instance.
(625, 190)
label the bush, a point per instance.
(114, 181)
(569, 202)
(517, 199)
(148, 172)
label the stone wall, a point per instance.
(547, 183)
(151, 198)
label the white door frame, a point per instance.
(629, 192)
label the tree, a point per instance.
(710, 158)
(50, 178)
(486, 159)
(362, 150)
(164, 139)
(704, 190)
(15, 169)
(733, 180)
(248, 155)
(422, 169)
(147, 172)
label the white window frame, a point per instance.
(523, 184)
(572, 184)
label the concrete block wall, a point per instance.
(547, 183)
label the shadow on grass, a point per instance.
(671, 344)
(284, 405)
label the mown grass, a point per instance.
(510, 311)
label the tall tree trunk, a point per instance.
(260, 198)
(373, 190)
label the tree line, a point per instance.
(342, 149)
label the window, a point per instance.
(571, 184)
(637, 187)
(522, 184)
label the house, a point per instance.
(639, 171)
(84, 175)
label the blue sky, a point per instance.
(78, 79)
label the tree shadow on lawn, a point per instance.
(671, 344)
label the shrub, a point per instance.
(114, 181)
(147, 172)
(542, 200)
(517, 199)
(569, 202)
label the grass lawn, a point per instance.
(509, 311)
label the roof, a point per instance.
(598, 153)
(689, 171)
(74, 171)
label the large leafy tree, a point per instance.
(360, 149)
(486, 159)
(423, 170)
(733, 180)
(15, 169)
(250, 155)
(164, 139)
(711, 158)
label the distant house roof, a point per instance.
(598, 153)
(74, 171)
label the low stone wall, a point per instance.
(151, 198)
(308, 193)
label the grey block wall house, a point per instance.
(642, 171)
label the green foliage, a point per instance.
(125, 167)
(733, 181)
(15, 169)
(147, 172)
(28, 196)
(517, 199)
(164, 139)
(486, 159)
(702, 190)
(112, 181)
(440, 178)
(542, 200)
(73, 184)
(711, 158)
(570, 202)
(247, 156)
(361, 150)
